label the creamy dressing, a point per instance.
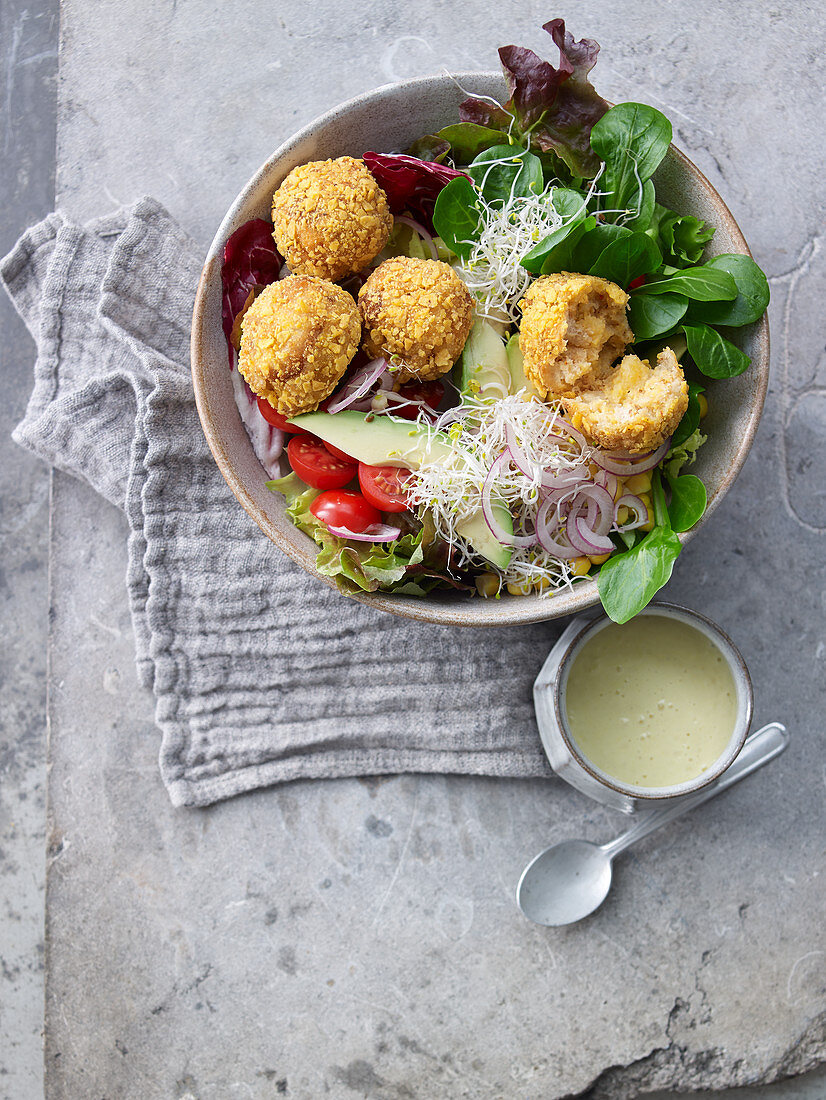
(651, 703)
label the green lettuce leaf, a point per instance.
(684, 454)
(412, 565)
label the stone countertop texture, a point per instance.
(359, 938)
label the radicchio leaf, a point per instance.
(409, 183)
(251, 260)
(553, 109)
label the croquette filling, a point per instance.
(631, 406)
(591, 333)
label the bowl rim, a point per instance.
(512, 610)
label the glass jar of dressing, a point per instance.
(638, 714)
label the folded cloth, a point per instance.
(260, 673)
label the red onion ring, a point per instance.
(358, 385)
(376, 532)
(584, 538)
(517, 455)
(617, 462)
(600, 499)
(423, 233)
(572, 432)
(609, 481)
(548, 479)
(546, 539)
(633, 504)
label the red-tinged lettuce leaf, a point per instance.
(482, 113)
(250, 260)
(567, 130)
(409, 183)
(552, 109)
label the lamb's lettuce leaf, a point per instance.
(752, 294)
(429, 147)
(457, 218)
(683, 238)
(467, 140)
(628, 581)
(632, 139)
(503, 172)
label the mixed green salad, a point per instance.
(475, 482)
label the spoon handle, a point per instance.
(760, 747)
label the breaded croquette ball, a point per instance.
(297, 340)
(417, 312)
(632, 407)
(572, 325)
(330, 218)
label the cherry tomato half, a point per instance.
(384, 486)
(314, 464)
(274, 417)
(431, 392)
(342, 508)
(339, 454)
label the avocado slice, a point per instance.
(476, 532)
(483, 370)
(382, 441)
(516, 364)
(390, 441)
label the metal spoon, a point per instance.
(565, 883)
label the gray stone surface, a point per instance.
(28, 65)
(359, 938)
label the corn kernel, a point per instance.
(487, 585)
(703, 403)
(598, 559)
(580, 566)
(622, 515)
(542, 584)
(519, 589)
(638, 483)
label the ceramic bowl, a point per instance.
(565, 756)
(389, 119)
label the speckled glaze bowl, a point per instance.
(389, 119)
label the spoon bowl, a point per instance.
(565, 883)
(568, 881)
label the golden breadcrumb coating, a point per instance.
(572, 325)
(297, 339)
(631, 407)
(418, 312)
(330, 218)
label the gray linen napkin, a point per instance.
(260, 673)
